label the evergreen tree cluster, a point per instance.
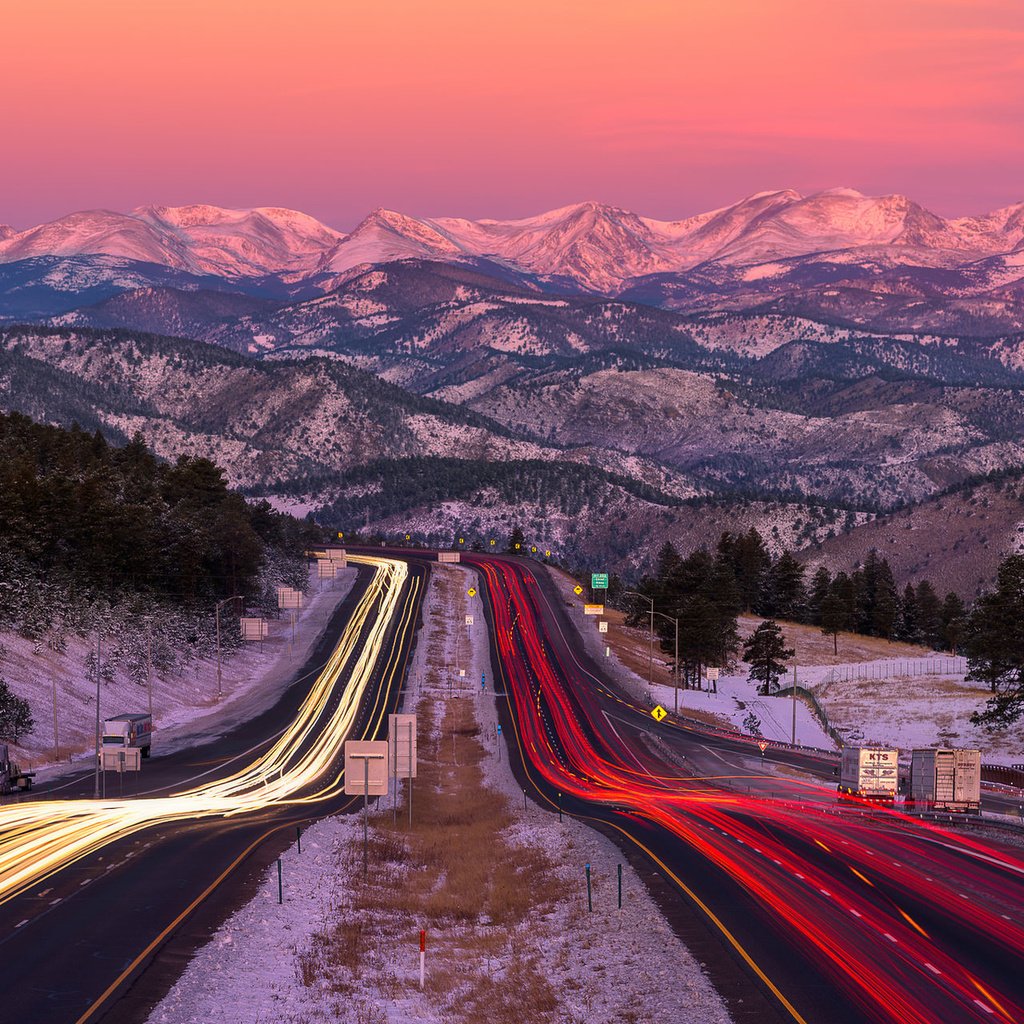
(80, 514)
(707, 590)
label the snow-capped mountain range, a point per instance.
(596, 247)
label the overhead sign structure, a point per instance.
(366, 767)
(402, 746)
(599, 581)
(577, 590)
(254, 629)
(593, 609)
(602, 626)
(658, 713)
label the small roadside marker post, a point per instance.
(620, 887)
(298, 836)
(423, 957)
(524, 801)
(499, 742)
(559, 806)
(280, 883)
(590, 897)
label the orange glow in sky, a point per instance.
(439, 107)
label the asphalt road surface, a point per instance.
(803, 909)
(99, 916)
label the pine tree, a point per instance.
(952, 622)
(516, 541)
(15, 715)
(834, 617)
(787, 594)
(821, 584)
(766, 653)
(929, 610)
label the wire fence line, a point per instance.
(897, 667)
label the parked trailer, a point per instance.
(869, 773)
(12, 778)
(129, 731)
(945, 779)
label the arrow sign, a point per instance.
(658, 713)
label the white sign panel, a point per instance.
(289, 598)
(254, 629)
(402, 745)
(469, 620)
(122, 759)
(448, 556)
(366, 761)
(593, 609)
(602, 626)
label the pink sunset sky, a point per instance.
(506, 109)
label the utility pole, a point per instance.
(99, 649)
(675, 665)
(219, 605)
(149, 663)
(794, 705)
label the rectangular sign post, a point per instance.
(602, 626)
(599, 581)
(593, 609)
(371, 781)
(402, 753)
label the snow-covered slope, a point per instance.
(198, 239)
(600, 247)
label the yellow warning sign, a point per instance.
(577, 590)
(658, 713)
(471, 591)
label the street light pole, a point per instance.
(219, 605)
(650, 639)
(675, 664)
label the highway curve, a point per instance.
(91, 891)
(812, 913)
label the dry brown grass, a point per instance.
(453, 874)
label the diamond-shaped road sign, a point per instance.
(658, 713)
(471, 591)
(577, 590)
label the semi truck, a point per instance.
(945, 779)
(869, 773)
(128, 731)
(12, 778)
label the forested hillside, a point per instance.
(83, 523)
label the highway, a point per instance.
(804, 911)
(91, 891)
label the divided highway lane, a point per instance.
(90, 891)
(836, 917)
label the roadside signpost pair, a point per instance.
(370, 763)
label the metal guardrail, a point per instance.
(1008, 776)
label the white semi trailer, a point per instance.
(128, 731)
(945, 779)
(869, 773)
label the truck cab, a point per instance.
(132, 730)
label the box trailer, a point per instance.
(945, 779)
(128, 731)
(12, 778)
(869, 773)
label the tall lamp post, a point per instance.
(650, 641)
(220, 604)
(675, 664)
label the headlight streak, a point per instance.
(39, 838)
(872, 947)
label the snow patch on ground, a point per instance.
(605, 966)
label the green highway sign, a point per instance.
(599, 580)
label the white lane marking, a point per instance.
(977, 854)
(626, 746)
(54, 903)
(891, 938)
(85, 881)
(20, 923)
(46, 892)
(932, 968)
(856, 913)
(987, 1009)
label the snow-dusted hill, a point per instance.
(602, 248)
